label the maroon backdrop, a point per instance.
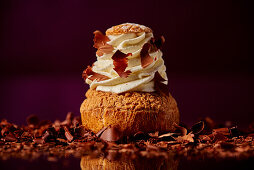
(45, 45)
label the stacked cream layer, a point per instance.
(128, 103)
(140, 79)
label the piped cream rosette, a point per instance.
(140, 79)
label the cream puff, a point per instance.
(128, 83)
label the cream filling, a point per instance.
(140, 79)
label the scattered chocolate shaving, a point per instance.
(166, 135)
(76, 121)
(216, 137)
(146, 59)
(100, 42)
(111, 134)
(4, 131)
(141, 136)
(10, 138)
(69, 137)
(155, 134)
(90, 74)
(120, 62)
(98, 134)
(39, 141)
(185, 138)
(68, 119)
(46, 136)
(183, 130)
(198, 127)
(223, 131)
(234, 132)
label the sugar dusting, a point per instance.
(128, 27)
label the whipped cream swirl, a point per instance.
(140, 79)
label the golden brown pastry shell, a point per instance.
(127, 28)
(130, 112)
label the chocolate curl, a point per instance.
(67, 134)
(100, 42)
(146, 59)
(198, 127)
(89, 72)
(120, 62)
(110, 134)
(157, 43)
(158, 85)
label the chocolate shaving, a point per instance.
(185, 138)
(166, 135)
(146, 59)
(4, 131)
(68, 135)
(39, 141)
(31, 142)
(10, 137)
(234, 132)
(46, 136)
(223, 131)
(183, 130)
(157, 43)
(141, 136)
(198, 127)
(120, 62)
(154, 134)
(216, 137)
(158, 85)
(98, 134)
(68, 119)
(111, 134)
(100, 42)
(90, 74)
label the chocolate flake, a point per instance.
(198, 127)
(98, 134)
(68, 135)
(10, 137)
(157, 43)
(183, 130)
(100, 42)
(120, 62)
(111, 134)
(146, 59)
(141, 136)
(90, 74)
(39, 141)
(159, 85)
(72, 138)
(46, 136)
(223, 131)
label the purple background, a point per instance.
(45, 45)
